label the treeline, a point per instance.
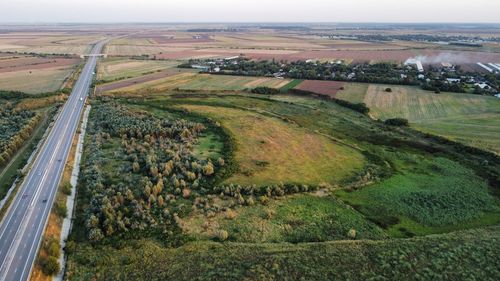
(265, 91)
(385, 73)
(415, 37)
(16, 127)
(359, 107)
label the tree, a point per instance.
(95, 235)
(208, 169)
(135, 167)
(160, 200)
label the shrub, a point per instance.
(400, 122)
(61, 210)
(352, 233)
(66, 188)
(208, 169)
(221, 235)
(265, 91)
(230, 214)
(50, 266)
(53, 248)
(70, 247)
(388, 90)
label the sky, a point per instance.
(108, 11)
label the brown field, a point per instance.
(29, 63)
(40, 80)
(328, 88)
(285, 46)
(191, 81)
(385, 55)
(48, 42)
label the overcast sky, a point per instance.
(250, 11)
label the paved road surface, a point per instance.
(22, 227)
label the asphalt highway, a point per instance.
(23, 225)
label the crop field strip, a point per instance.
(267, 47)
(187, 80)
(113, 69)
(462, 117)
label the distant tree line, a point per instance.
(16, 127)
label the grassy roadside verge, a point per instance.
(58, 212)
(464, 255)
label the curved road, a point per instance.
(23, 225)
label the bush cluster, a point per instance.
(154, 160)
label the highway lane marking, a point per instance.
(56, 130)
(26, 184)
(68, 146)
(38, 229)
(15, 246)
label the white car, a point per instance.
(81, 99)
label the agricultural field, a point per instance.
(116, 69)
(191, 81)
(290, 47)
(462, 117)
(50, 42)
(235, 172)
(45, 74)
(327, 88)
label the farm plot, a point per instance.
(469, 119)
(159, 80)
(40, 80)
(114, 69)
(231, 83)
(270, 151)
(194, 82)
(18, 63)
(327, 88)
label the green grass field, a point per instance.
(190, 81)
(118, 68)
(427, 196)
(300, 218)
(231, 83)
(457, 256)
(466, 118)
(388, 184)
(40, 80)
(294, 83)
(270, 151)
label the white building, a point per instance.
(482, 85)
(415, 62)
